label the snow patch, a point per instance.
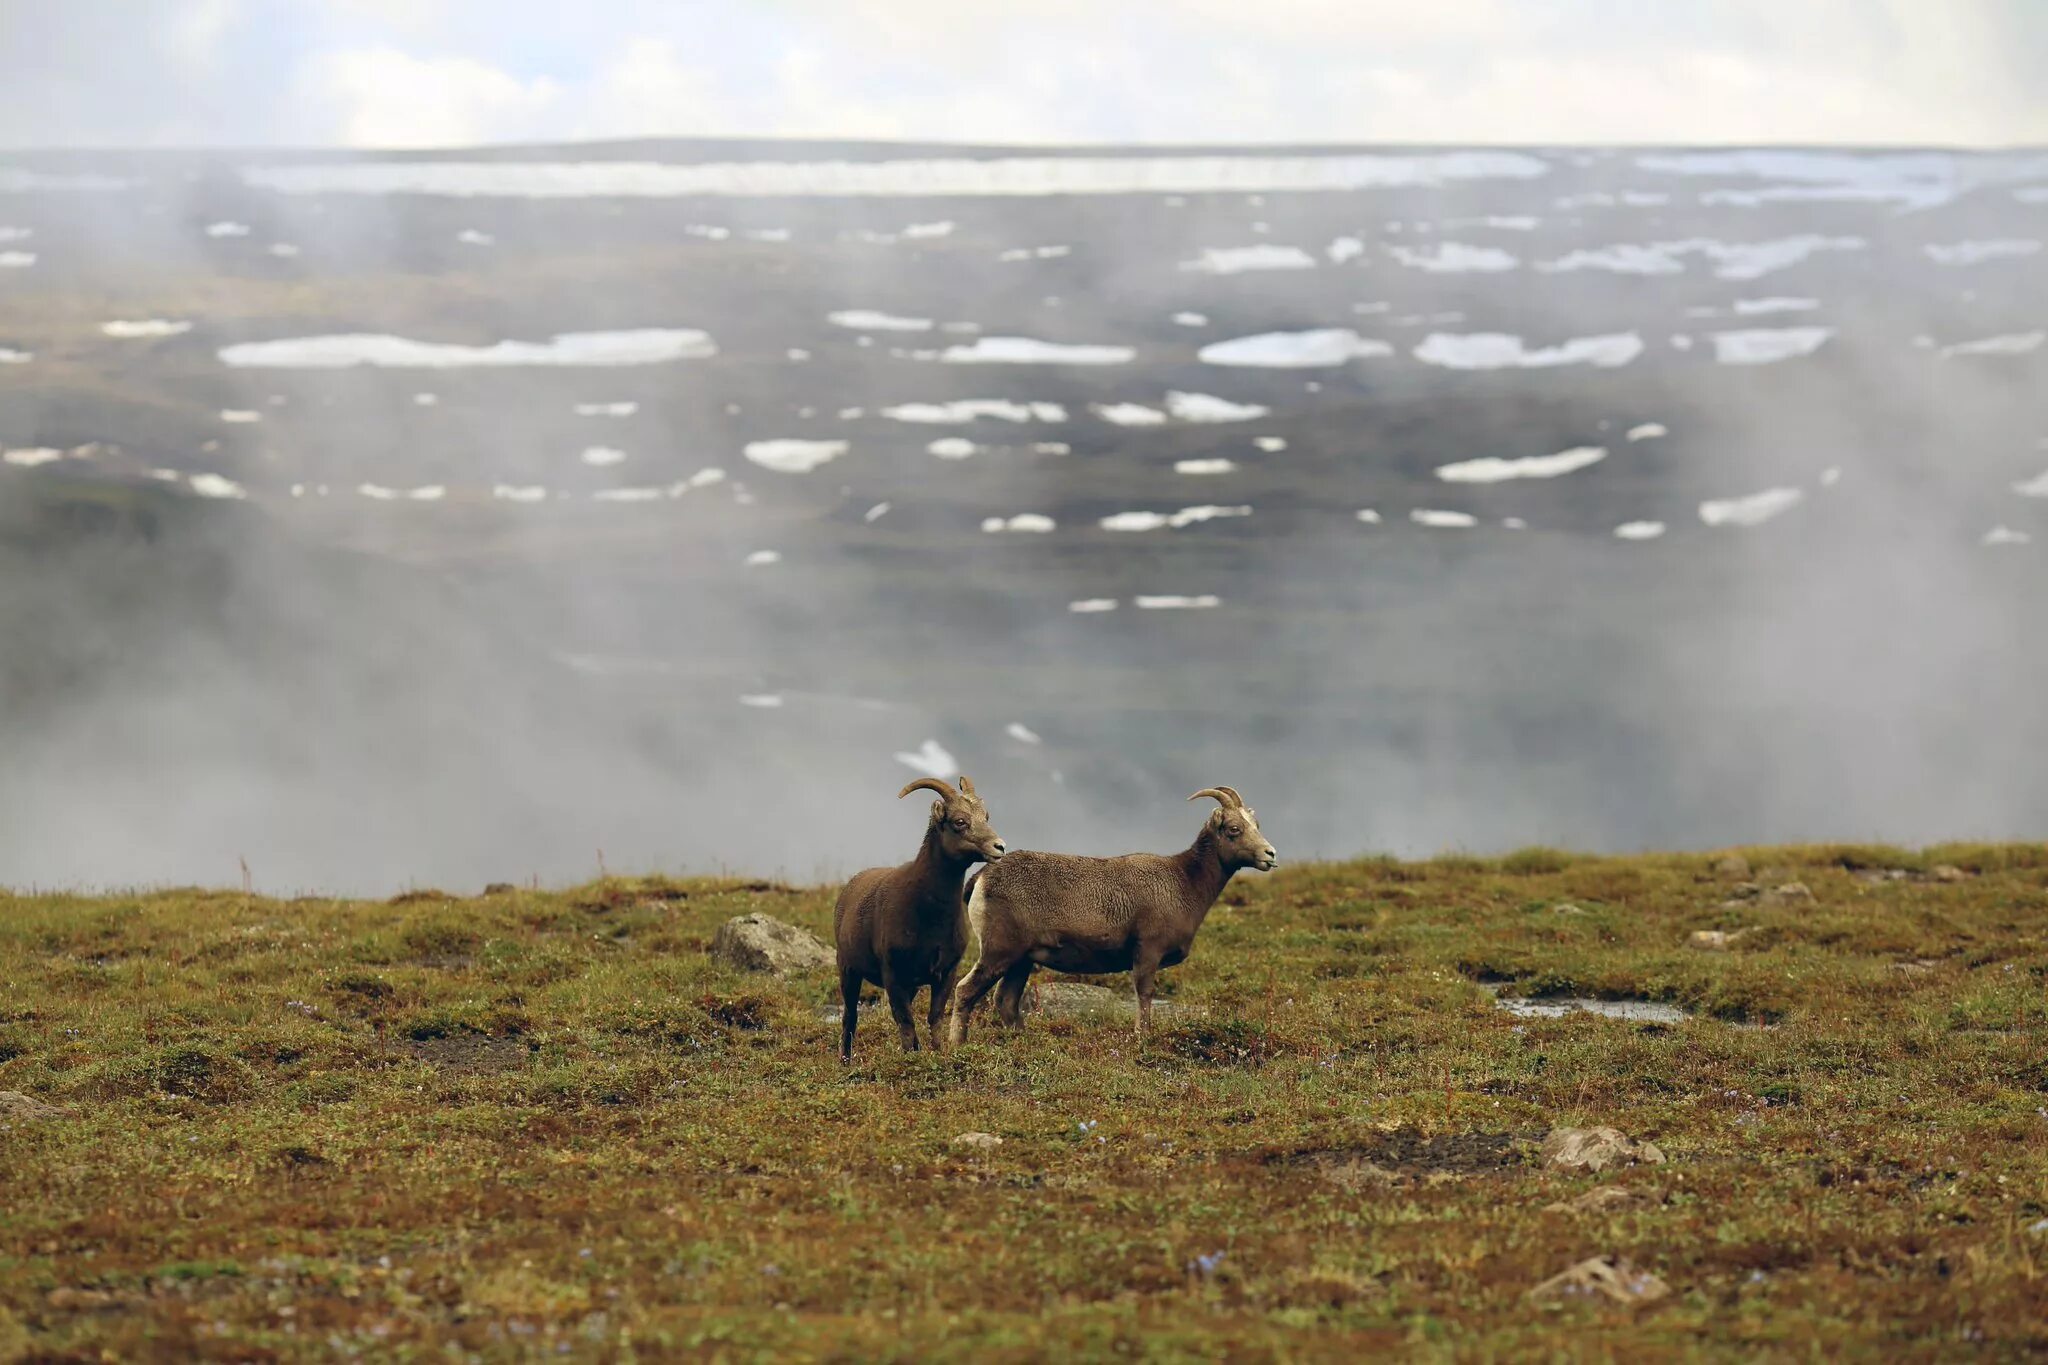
(602, 457)
(1034, 523)
(1752, 510)
(1210, 466)
(919, 177)
(1499, 350)
(239, 415)
(762, 558)
(868, 320)
(2012, 343)
(793, 456)
(506, 492)
(145, 327)
(1318, 348)
(1092, 604)
(931, 758)
(645, 346)
(1153, 521)
(1169, 602)
(2005, 535)
(1765, 346)
(1026, 351)
(969, 409)
(1648, 431)
(1448, 258)
(606, 409)
(1639, 530)
(952, 448)
(1447, 521)
(1492, 469)
(1234, 260)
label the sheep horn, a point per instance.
(1235, 799)
(1223, 796)
(966, 784)
(930, 784)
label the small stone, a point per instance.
(762, 943)
(500, 889)
(20, 1108)
(978, 1142)
(1733, 866)
(79, 1300)
(1948, 872)
(1717, 940)
(1603, 1277)
(1788, 893)
(1595, 1149)
(1565, 908)
(1607, 1199)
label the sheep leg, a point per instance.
(942, 996)
(899, 1005)
(1010, 995)
(978, 983)
(849, 1014)
(1143, 971)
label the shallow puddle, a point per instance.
(1558, 1006)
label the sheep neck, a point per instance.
(1207, 874)
(937, 872)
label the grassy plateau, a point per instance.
(551, 1124)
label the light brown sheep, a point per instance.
(1136, 913)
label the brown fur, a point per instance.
(1136, 913)
(904, 927)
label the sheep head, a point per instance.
(1235, 827)
(961, 821)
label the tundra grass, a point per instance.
(549, 1123)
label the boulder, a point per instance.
(1733, 866)
(978, 1142)
(1596, 1149)
(16, 1107)
(1789, 893)
(762, 943)
(1602, 1277)
(1948, 872)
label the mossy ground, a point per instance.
(547, 1123)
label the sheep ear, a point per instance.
(938, 810)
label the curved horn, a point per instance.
(1222, 796)
(966, 784)
(930, 784)
(1231, 792)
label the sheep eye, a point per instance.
(1232, 830)
(959, 824)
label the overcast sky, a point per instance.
(411, 73)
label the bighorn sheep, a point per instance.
(904, 927)
(1136, 913)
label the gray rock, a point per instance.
(978, 1142)
(16, 1107)
(1595, 1149)
(1602, 1277)
(762, 943)
(1717, 940)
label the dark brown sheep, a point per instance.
(905, 927)
(1136, 913)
